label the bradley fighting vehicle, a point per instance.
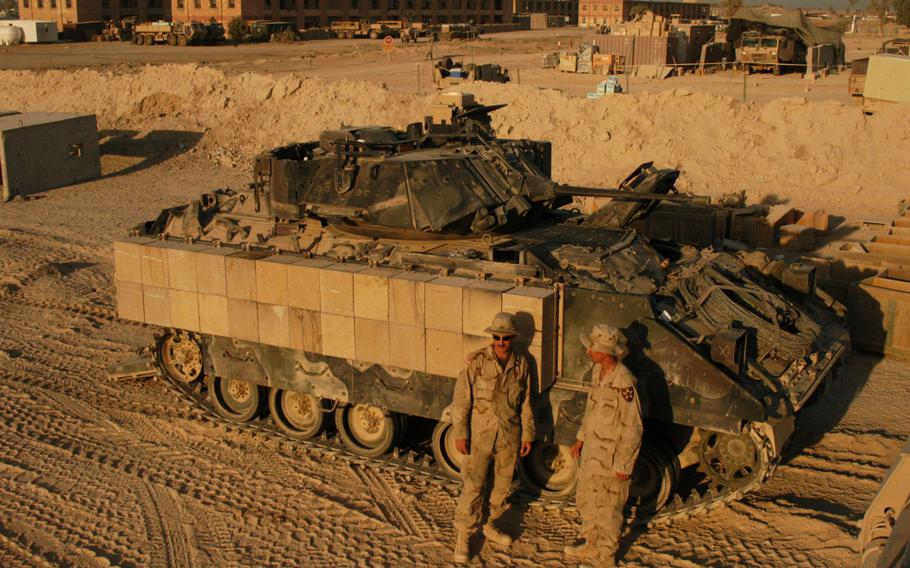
(344, 287)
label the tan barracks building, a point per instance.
(306, 13)
(596, 13)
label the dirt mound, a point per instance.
(807, 153)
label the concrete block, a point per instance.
(129, 301)
(337, 335)
(445, 353)
(481, 302)
(306, 330)
(274, 325)
(371, 293)
(181, 266)
(407, 298)
(407, 347)
(213, 315)
(210, 270)
(336, 288)
(444, 304)
(184, 310)
(240, 272)
(304, 283)
(157, 305)
(371, 340)
(128, 259)
(243, 319)
(154, 265)
(272, 279)
(534, 309)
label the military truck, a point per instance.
(176, 33)
(349, 29)
(349, 281)
(859, 68)
(770, 52)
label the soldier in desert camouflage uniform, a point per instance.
(492, 421)
(610, 434)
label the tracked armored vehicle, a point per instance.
(344, 287)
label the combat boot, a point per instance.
(496, 536)
(461, 547)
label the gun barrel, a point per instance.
(577, 191)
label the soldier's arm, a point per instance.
(528, 428)
(462, 402)
(629, 441)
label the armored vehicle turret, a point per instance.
(351, 278)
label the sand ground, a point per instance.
(94, 473)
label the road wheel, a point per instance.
(171, 40)
(374, 34)
(299, 415)
(654, 477)
(549, 471)
(776, 70)
(180, 355)
(181, 41)
(235, 399)
(368, 430)
(448, 457)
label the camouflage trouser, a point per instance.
(484, 449)
(601, 498)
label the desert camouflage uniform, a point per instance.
(492, 408)
(611, 431)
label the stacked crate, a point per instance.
(411, 320)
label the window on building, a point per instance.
(197, 4)
(497, 5)
(106, 4)
(442, 5)
(41, 3)
(232, 4)
(53, 3)
(484, 5)
(69, 3)
(355, 4)
(25, 3)
(425, 5)
(213, 3)
(180, 4)
(374, 4)
(393, 4)
(410, 4)
(469, 4)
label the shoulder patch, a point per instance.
(627, 393)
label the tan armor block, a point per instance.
(482, 300)
(445, 355)
(306, 330)
(272, 279)
(243, 319)
(304, 283)
(338, 335)
(371, 340)
(407, 347)
(213, 315)
(534, 309)
(336, 287)
(444, 299)
(240, 270)
(157, 305)
(181, 266)
(130, 300)
(211, 275)
(154, 265)
(407, 299)
(274, 325)
(184, 310)
(371, 293)
(128, 259)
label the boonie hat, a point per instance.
(503, 324)
(606, 339)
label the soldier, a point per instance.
(491, 417)
(610, 434)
